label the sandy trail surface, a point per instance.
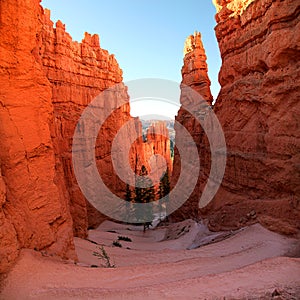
(164, 263)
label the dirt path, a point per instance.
(247, 265)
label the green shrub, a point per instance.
(124, 238)
(117, 244)
(102, 254)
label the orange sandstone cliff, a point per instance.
(154, 150)
(34, 209)
(258, 107)
(78, 72)
(47, 80)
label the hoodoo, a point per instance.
(194, 75)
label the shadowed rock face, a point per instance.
(194, 75)
(258, 107)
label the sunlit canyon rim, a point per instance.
(47, 80)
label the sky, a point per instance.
(146, 36)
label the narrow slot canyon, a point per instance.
(98, 202)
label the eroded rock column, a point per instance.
(194, 75)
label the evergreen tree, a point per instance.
(128, 196)
(144, 195)
(172, 144)
(164, 190)
(128, 199)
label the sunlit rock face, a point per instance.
(78, 72)
(34, 210)
(231, 7)
(258, 107)
(194, 70)
(47, 80)
(153, 151)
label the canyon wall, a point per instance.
(153, 151)
(258, 107)
(78, 72)
(47, 80)
(34, 210)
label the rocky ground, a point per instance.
(163, 263)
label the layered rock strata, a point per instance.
(152, 151)
(194, 75)
(34, 209)
(194, 70)
(47, 80)
(258, 107)
(78, 72)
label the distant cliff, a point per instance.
(153, 149)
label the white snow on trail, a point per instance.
(248, 264)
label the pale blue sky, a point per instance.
(146, 36)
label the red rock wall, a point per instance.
(9, 245)
(103, 152)
(78, 72)
(258, 107)
(47, 80)
(34, 211)
(154, 152)
(195, 75)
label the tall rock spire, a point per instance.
(194, 70)
(194, 75)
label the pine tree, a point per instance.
(144, 195)
(164, 190)
(128, 199)
(128, 196)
